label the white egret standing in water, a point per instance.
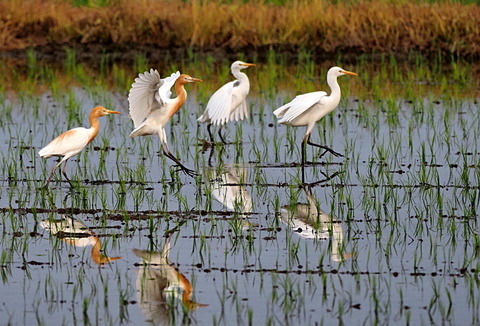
(307, 109)
(71, 142)
(228, 103)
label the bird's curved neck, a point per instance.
(180, 99)
(333, 83)
(94, 125)
(240, 75)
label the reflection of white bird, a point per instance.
(309, 222)
(160, 285)
(227, 188)
(228, 103)
(72, 142)
(75, 232)
(307, 109)
(151, 106)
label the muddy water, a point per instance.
(392, 238)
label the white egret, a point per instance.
(72, 142)
(151, 106)
(228, 102)
(307, 109)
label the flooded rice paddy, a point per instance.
(391, 237)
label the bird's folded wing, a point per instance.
(218, 107)
(69, 142)
(298, 105)
(167, 83)
(143, 96)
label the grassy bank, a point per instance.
(362, 27)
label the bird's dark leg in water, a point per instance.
(305, 141)
(210, 133)
(304, 148)
(220, 134)
(327, 149)
(182, 167)
(64, 172)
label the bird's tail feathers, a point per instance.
(280, 112)
(137, 131)
(42, 152)
(203, 118)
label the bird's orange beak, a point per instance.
(113, 112)
(193, 79)
(346, 72)
(248, 64)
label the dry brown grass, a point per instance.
(373, 26)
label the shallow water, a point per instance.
(391, 239)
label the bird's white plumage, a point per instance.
(164, 91)
(68, 144)
(308, 108)
(228, 103)
(225, 105)
(149, 93)
(298, 106)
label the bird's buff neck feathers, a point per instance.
(94, 123)
(180, 99)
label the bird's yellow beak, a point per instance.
(346, 72)
(112, 112)
(248, 64)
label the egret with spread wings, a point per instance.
(307, 109)
(151, 106)
(228, 103)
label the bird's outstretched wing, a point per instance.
(148, 93)
(167, 83)
(297, 106)
(219, 106)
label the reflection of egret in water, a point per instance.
(310, 222)
(160, 286)
(228, 187)
(75, 232)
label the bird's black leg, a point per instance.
(304, 148)
(327, 149)
(64, 171)
(51, 175)
(210, 133)
(182, 167)
(220, 134)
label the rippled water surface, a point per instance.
(389, 236)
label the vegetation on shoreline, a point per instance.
(363, 27)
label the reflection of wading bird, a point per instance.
(228, 188)
(72, 142)
(228, 103)
(151, 106)
(74, 232)
(309, 222)
(307, 109)
(160, 285)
